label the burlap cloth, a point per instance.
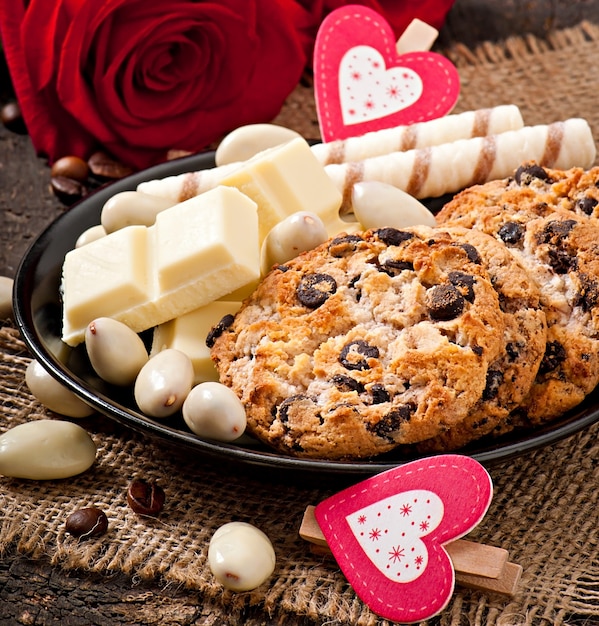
(545, 507)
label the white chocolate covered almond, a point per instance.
(241, 556)
(46, 450)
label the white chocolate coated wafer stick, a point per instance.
(433, 132)
(449, 128)
(433, 171)
(185, 186)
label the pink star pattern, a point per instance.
(362, 519)
(406, 509)
(396, 554)
(375, 534)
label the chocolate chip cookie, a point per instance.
(367, 342)
(512, 373)
(558, 245)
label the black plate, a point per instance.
(38, 315)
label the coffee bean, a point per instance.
(104, 166)
(145, 498)
(67, 190)
(11, 117)
(87, 522)
(71, 167)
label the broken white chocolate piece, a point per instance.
(441, 130)
(187, 333)
(446, 168)
(284, 180)
(196, 252)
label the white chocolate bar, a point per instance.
(431, 133)
(433, 171)
(287, 179)
(196, 252)
(281, 181)
(188, 333)
(449, 128)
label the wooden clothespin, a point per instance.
(397, 537)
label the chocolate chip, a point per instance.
(555, 231)
(87, 522)
(391, 423)
(472, 252)
(555, 355)
(525, 174)
(511, 233)
(588, 292)
(287, 404)
(586, 205)
(562, 261)
(314, 289)
(464, 283)
(477, 350)
(513, 350)
(393, 236)
(444, 302)
(494, 380)
(145, 498)
(216, 331)
(344, 244)
(394, 267)
(379, 394)
(347, 383)
(355, 355)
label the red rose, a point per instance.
(138, 77)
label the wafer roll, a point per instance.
(433, 171)
(401, 138)
(185, 186)
(449, 128)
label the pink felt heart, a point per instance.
(361, 84)
(387, 533)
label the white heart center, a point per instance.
(368, 90)
(390, 531)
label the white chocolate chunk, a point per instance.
(46, 450)
(479, 123)
(196, 252)
(434, 171)
(187, 333)
(284, 180)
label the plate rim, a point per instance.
(25, 286)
